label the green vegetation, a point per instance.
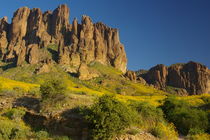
(53, 95)
(15, 113)
(53, 88)
(12, 130)
(133, 108)
(187, 120)
(109, 117)
(151, 119)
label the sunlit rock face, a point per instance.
(192, 77)
(208, 90)
(31, 30)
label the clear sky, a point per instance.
(153, 31)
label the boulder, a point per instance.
(45, 68)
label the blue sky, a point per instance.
(153, 31)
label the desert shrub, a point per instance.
(52, 89)
(11, 130)
(41, 135)
(109, 117)
(184, 117)
(15, 113)
(19, 91)
(164, 131)
(62, 138)
(34, 92)
(148, 112)
(206, 99)
(202, 136)
(53, 95)
(194, 131)
(133, 131)
(152, 119)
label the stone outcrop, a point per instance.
(32, 31)
(141, 80)
(86, 73)
(45, 68)
(192, 77)
(157, 76)
(131, 75)
(93, 42)
(4, 29)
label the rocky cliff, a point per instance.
(31, 32)
(192, 77)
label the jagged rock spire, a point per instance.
(78, 43)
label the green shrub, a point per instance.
(109, 117)
(52, 89)
(194, 131)
(157, 132)
(12, 130)
(184, 117)
(151, 119)
(15, 113)
(62, 138)
(148, 112)
(53, 95)
(41, 135)
(133, 131)
(202, 136)
(206, 99)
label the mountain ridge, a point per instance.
(48, 38)
(30, 31)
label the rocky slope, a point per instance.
(31, 31)
(192, 78)
(32, 34)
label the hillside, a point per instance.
(65, 81)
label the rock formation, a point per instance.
(193, 77)
(86, 73)
(157, 76)
(131, 75)
(32, 31)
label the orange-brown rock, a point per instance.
(78, 42)
(192, 77)
(45, 68)
(33, 57)
(131, 75)
(85, 73)
(60, 21)
(157, 76)
(94, 42)
(4, 26)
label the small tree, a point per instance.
(52, 89)
(108, 117)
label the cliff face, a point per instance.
(31, 31)
(193, 77)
